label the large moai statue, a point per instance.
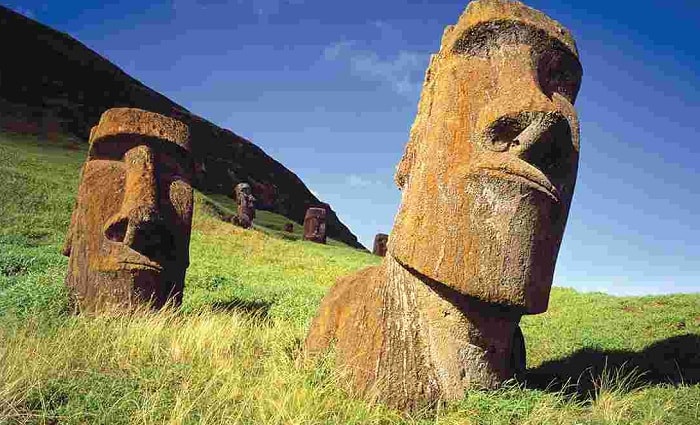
(129, 235)
(246, 205)
(487, 178)
(380, 242)
(315, 225)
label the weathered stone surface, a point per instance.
(409, 341)
(315, 225)
(487, 178)
(489, 170)
(128, 240)
(65, 83)
(380, 242)
(246, 205)
(289, 227)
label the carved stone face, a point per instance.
(489, 171)
(242, 189)
(380, 242)
(130, 231)
(246, 205)
(315, 225)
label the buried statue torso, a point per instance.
(487, 178)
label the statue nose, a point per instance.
(138, 223)
(542, 139)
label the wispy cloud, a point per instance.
(263, 9)
(266, 8)
(401, 70)
(358, 181)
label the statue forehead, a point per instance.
(511, 15)
(316, 212)
(129, 122)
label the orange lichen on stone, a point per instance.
(124, 121)
(489, 170)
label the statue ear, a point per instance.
(403, 170)
(68, 242)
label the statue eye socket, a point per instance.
(109, 150)
(559, 72)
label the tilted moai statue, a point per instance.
(315, 225)
(380, 241)
(487, 179)
(129, 235)
(246, 205)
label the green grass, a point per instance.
(232, 353)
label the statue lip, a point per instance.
(134, 265)
(521, 171)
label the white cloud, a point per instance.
(266, 8)
(263, 9)
(356, 180)
(401, 71)
(335, 50)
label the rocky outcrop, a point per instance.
(52, 83)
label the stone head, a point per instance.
(130, 230)
(489, 171)
(242, 189)
(315, 225)
(380, 242)
(246, 205)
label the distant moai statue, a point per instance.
(129, 235)
(246, 205)
(288, 227)
(315, 225)
(380, 242)
(488, 175)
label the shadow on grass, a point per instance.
(672, 361)
(259, 310)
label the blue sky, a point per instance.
(330, 89)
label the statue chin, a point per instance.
(499, 246)
(129, 287)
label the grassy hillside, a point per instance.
(233, 354)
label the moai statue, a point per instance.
(315, 225)
(487, 178)
(129, 235)
(380, 241)
(246, 205)
(288, 227)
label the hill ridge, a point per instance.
(56, 84)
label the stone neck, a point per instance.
(469, 343)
